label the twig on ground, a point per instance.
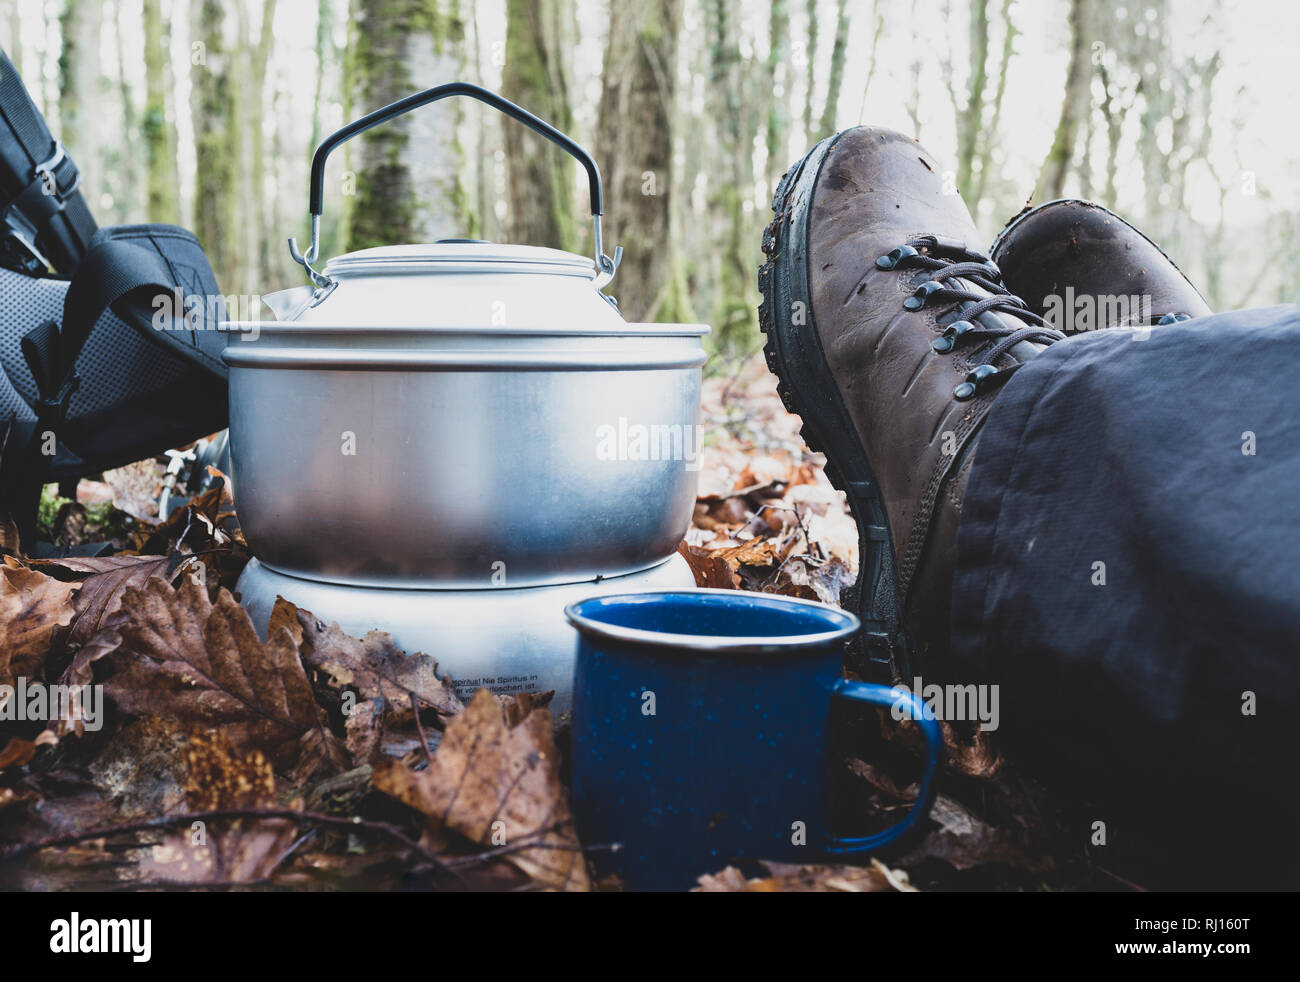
(353, 823)
(419, 729)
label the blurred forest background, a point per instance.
(205, 113)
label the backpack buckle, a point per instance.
(45, 173)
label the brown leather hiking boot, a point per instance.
(1084, 268)
(890, 338)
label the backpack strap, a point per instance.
(45, 222)
(114, 272)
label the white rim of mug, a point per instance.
(758, 644)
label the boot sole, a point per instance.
(794, 355)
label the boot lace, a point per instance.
(946, 260)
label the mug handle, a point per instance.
(881, 695)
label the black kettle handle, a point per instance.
(604, 263)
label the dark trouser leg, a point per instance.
(1128, 573)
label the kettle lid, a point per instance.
(459, 256)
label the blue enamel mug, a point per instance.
(701, 733)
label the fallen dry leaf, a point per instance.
(60, 802)
(965, 842)
(519, 704)
(142, 766)
(134, 488)
(725, 513)
(34, 611)
(758, 478)
(205, 528)
(497, 785)
(974, 755)
(970, 752)
(18, 751)
(711, 571)
(285, 615)
(204, 514)
(755, 552)
(236, 850)
(80, 673)
(380, 678)
(102, 580)
(790, 878)
(879, 779)
(175, 653)
(800, 576)
(69, 528)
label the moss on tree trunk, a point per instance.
(408, 175)
(541, 192)
(635, 149)
(159, 131)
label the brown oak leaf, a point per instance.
(34, 610)
(175, 653)
(498, 786)
(103, 579)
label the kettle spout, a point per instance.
(287, 305)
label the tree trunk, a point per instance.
(733, 311)
(778, 70)
(970, 124)
(1051, 182)
(258, 235)
(835, 80)
(483, 222)
(327, 66)
(878, 13)
(217, 132)
(1084, 168)
(541, 176)
(1113, 114)
(1153, 59)
(79, 80)
(126, 199)
(159, 131)
(989, 136)
(912, 102)
(635, 147)
(814, 29)
(324, 26)
(408, 168)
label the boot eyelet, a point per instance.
(949, 340)
(895, 256)
(917, 300)
(976, 382)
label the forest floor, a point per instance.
(316, 760)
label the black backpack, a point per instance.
(110, 338)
